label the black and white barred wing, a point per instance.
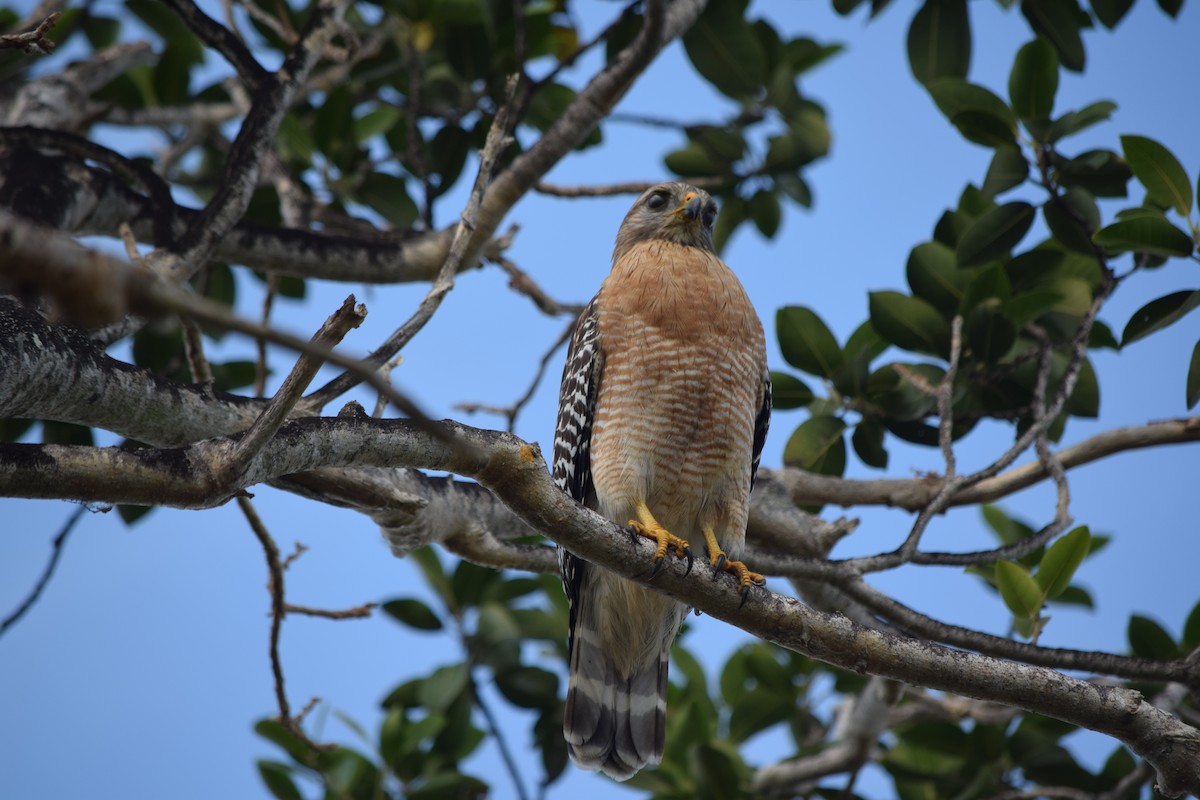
(571, 468)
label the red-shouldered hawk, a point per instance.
(663, 411)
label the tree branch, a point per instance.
(910, 494)
(515, 471)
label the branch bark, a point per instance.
(515, 471)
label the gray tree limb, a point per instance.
(514, 470)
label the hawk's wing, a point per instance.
(572, 467)
(761, 423)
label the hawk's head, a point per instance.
(677, 212)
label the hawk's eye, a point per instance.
(710, 215)
(656, 201)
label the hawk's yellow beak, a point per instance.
(691, 207)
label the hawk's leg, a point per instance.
(646, 525)
(719, 561)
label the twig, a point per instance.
(412, 150)
(510, 412)
(608, 190)
(56, 551)
(298, 550)
(925, 627)
(944, 394)
(275, 588)
(497, 141)
(501, 741)
(221, 39)
(358, 612)
(520, 281)
(278, 612)
(330, 334)
(273, 96)
(33, 42)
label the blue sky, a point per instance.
(144, 666)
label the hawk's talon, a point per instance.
(745, 593)
(648, 527)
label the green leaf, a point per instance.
(1019, 590)
(1110, 12)
(909, 323)
(806, 342)
(1171, 7)
(1193, 378)
(733, 213)
(170, 27)
(898, 398)
(1075, 121)
(439, 691)
(1072, 217)
(1033, 81)
(1085, 398)
(1148, 233)
(989, 332)
(764, 210)
(723, 48)
(1059, 21)
(413, 613)
(979, 115)
(547, 105)
(278, 779)
(1191, 630)
(1101, 172)
(12, 430)
(131, 514)
(388, 194)
(54, 432)
(788, 391)
(373, 123)
(934, 276)
(994, 234)
(274, 732)
(1158, 314)
(1160, 172)
(817, 446)
(868, 443)
(1148, 639)
(1061, 560)
(939, 40)
(1007, 529)
(725, 143)
(528, 687)
(694, 161)
(755, 711)
(447, 786)
(1008, 170)
(1074, 596)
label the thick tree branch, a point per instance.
(515, 471)
(910, 494)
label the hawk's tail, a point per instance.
(614, 723)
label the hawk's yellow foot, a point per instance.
(721, 563)
(646, 525)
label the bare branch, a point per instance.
(358, 612)
(56, 548)
(611, 189)
(497, 141)
(910, 494)
(330, 335)
(221, 39)
(33, 42)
